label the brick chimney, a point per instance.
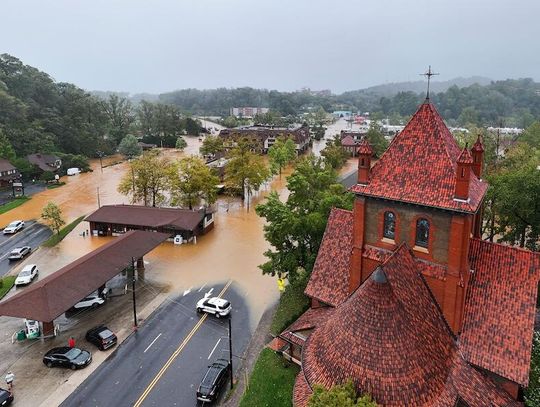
(463, 175)
(477, 152)
(364, 161)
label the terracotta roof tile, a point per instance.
(419, 166)
(465, 157)
(329, 280)
(478, 145)
(309, 320)
(500, 309)
(348, 141)
(364, 147)
(390, 337)
(301, 392)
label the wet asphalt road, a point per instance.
(163, 362)
(32, 235)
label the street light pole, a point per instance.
(230, 352)
(133, 290)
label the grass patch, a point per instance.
(271, 383)
(5, 285)
(58, 237)
(13, 204)
(292, 303)
(57, 185)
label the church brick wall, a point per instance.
(406, 221)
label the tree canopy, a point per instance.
(129, 146)
(343, 395)
(295, 228)
(192, 183)
(281, 153)
(52, 214)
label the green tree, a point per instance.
(245, 171)
(532, 393)
(515, 190)
(47, 176)
(120, 114)
(192, 183)
(295, 228)
(148, 179)
(211, 145)
(376, 139)
(129, 146)
(52, 214)
(343, 395)
(192, 126)
(281, 153)
(180, 143)
(334, 155)
(531, 135)
(6, 149)
(230, 121)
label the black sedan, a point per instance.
(6, 397)
(73, 358)
(102, 337)
(213, 381)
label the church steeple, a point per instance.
(463, 175)
(477, 152)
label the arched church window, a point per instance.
(389, 225)
(422, 232)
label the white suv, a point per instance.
(217, 306)
(13, 227)
(92, 301)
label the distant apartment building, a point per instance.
(263, 137)
(248, 112)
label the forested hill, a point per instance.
(516, 102)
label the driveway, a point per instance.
(163, 362)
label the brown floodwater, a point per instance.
(232, 250)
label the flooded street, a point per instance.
(232, 250)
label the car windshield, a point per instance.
(25, 273)
(16, 251)
(73, 353)
(12, 224)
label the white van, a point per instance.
(73, 171)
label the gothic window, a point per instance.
(422, 232)
(389, 225)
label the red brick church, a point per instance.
(407, 300)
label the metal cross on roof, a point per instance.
(429, 74)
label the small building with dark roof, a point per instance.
(8, 173)
(45, 162)
(111, 220)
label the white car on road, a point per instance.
(27, 274)
(93, 300)
(215, 305)
(13, 227)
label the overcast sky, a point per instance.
(161, 45)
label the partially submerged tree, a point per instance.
(52, 215)
(282, 152)
(180, 143)
(211, 145)
(245, 171)
(192, 183)
(149, 177)
(334, 155)
(129, 146)
(343, 395)
(376, 139)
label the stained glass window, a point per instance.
(422, 232)
(389, 227)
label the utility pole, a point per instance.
(98, 201)
(230, 352)
(133, 290)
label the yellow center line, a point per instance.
(175, 354)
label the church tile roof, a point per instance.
(364, 147)
(309, 320)
(329, 280)
(419, 167)
(500, 309)
(390, 337)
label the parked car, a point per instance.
(74, 358)
(213, 381)
(19, 252)
(73, 171)
(91, 301)
(27, 274)
(215, 305)
(13, 227)
(6, 397)
(102, 337)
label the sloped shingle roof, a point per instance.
(500, 309)
(419, 167)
